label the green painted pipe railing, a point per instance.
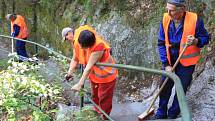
(42, 46)
(108, 117)
(186, 116)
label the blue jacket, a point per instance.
(175, 35)
(16, 30)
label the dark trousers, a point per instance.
(102, 95)
(20, 48)
(185, 74)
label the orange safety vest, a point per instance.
(23, 33)
(98, 74)
(80, 53)
(192, 53)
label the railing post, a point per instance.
(36, 49)
(82, 96)
(12, 44)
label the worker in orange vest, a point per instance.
(178, 27)
(88, 49)
(19, 30)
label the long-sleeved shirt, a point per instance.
(175, 35)
(16, 30)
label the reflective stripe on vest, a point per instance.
(102, 68)
(192, 53)
(112, 72)
(102, 74)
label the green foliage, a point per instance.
(203, 53)
(87, 114)
(89, 10)
(39, 116)
(20, 90)
(61, 61)
(48, 4)
(25, 93)
(3, 64)
(58, 73)
(82, 92)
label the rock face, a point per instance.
(201, 96)
(130, 46)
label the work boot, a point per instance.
(155, 117)
(160, 114)
(173, 112)
(174, 117)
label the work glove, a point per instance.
(168, 68)
(191, 40)
(13, 34)
(68, 77)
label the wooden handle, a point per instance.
(164, 83)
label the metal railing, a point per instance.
(42, 46)
(186, 116)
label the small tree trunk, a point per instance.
(35, 25)
(14, 6)
(3, 14)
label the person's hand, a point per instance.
(13, 34)
(168, 68)
(77, 87)
(191, 40)
(68, 77)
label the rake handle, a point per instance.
(164, 83)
